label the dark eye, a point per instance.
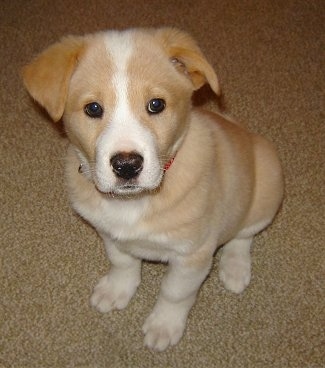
(156, 105)
(94, 110)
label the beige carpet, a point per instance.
(269, 56)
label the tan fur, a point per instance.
(47, 78)
(224, 186)
(181, 46)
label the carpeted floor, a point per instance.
(269, 56)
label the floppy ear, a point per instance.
(188, 58)
(47, 77)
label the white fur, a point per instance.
(124, 133)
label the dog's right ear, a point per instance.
(47, 77)
(188, 58)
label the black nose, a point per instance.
(127, 165)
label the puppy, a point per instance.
(158, 179)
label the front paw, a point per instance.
(114, 291)
(163, 329)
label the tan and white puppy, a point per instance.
(158, 179)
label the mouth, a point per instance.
(127, 188)
(123, 190)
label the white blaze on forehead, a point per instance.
(119, 47)
(124, 131)
(124, 127)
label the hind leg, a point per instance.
(235, 264)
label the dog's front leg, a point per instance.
(166, 324)
(115, 290)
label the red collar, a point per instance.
(169, 164)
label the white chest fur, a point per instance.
(119, 218)
(124, 221)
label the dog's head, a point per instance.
(125, 99)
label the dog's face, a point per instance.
(125, 98)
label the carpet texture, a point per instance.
(269, 56)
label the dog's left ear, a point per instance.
(47, 77)
(188, 58)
